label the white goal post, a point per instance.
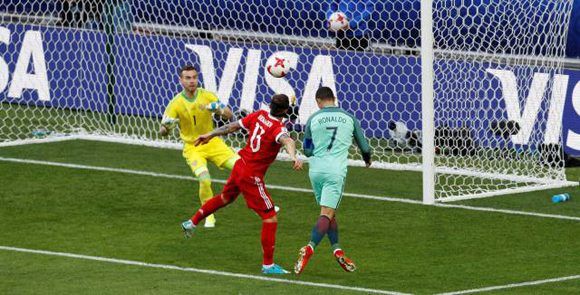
(471, 93)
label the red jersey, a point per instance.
(262, 147)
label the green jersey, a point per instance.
(329, 134)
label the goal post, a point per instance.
(473, 94)
(427, 103)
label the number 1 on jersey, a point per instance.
(334, 129)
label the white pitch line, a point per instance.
(203, 271)
(287, 188)
(536, 214)
(531, 283)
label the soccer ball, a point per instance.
(278, 65)
(337, 21)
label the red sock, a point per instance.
(209, 207)
(268, 241)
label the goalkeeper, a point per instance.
(327, 139)
(193, 109)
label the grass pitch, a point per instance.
(398, 247)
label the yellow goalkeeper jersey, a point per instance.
(194, 119)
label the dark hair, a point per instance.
(324, 93)
(187, 68)
(279, 105)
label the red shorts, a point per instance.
(244, 181)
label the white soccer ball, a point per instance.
(278, 65)
(337, 21)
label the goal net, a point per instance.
(105, 70)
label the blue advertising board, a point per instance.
(63, 68)
(393, 22)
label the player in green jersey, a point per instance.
(329, 134)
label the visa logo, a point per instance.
(31, 52)
(527, 115)
(321, 74)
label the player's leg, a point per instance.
(230, 162)
(258, 199)
(228, 195)
(328, 190)
(221, 155)
(269, 228)
(332, 195)
(333, 192)
(196, 159)
(317, 180)
(333, 233)
(319, 230)
(346, 263)
(205, 191)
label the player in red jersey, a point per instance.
(267, 134)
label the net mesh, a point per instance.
(110, 68)
(498, 86)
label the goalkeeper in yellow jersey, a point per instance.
(192, 110)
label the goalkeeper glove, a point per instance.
(169, 123)
(215, 107)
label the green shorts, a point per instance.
(328, 188)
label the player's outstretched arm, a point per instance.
(229, 128)
(290, 146)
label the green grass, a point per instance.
(397, 246)
(70, 276)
